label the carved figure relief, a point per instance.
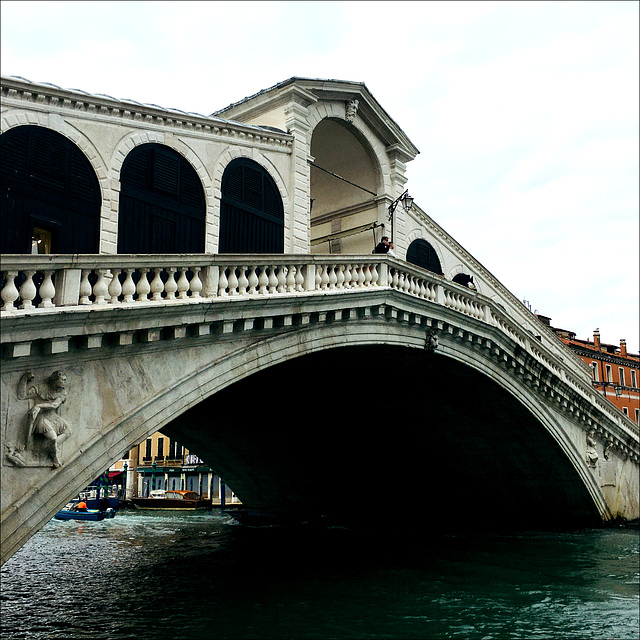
(351, 110)
(592, 454)
(431, 340)
(46, 429)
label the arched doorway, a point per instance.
(345, 178)
(162, 204)
(422, 254)
(251, 213)
(49, 192)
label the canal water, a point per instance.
(201, 575)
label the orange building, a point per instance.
(615, 372)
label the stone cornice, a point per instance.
(50, 98)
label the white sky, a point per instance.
(526, 113)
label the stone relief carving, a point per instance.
(592, 454)
(351, 110)
(431, 340)
(46, 429)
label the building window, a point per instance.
(147, 451)
(637, 414)
(621, 376)
(625, 411)
(160, 448)
(594, 371)
(609, 373)
(634, 381)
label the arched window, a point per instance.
(251, 214)
(49, 193)
(463, 279)
(162, 204)
(422, 254)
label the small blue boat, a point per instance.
(90, 514)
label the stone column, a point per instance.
(298, 238)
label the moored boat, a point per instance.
(174, 499)
(90, 514)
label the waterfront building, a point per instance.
(159, 462)
(615, 372)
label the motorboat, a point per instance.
(95, 515)
(174, 499)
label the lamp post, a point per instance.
(407, 203)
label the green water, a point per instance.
(203, 576)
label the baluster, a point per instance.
(282, 278)
(361, 276)
(233, 281)
(101, 287)
(394, 279)
(128, 286)
(367, 275)
(10, 292)
(157, 286)
(273, 280)
(115, 288)
(347, 276)
(340, 277)
(263, 280)
(85, 287)
(299, 278)
(142, 288)
(243, 282)
(223, 283)
(171, 286)
(291, 279)
(47, 290)
(332, 277)
(253, 280)
(183, 284)
(324, 278)
(28, 290)
(195, 286)
(375, 276)
(318, 278)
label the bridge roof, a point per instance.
(317, 89)
(23, 84)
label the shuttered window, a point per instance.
(252, 217)
(422, 254)
(162, 204)
(47, 183)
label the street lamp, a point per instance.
(407, 203)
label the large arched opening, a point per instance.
(446, 446)
(162, 203)
(251, 212)
(422, 254)
(49, 192)
(344, 185)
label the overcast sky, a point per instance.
(525, 114)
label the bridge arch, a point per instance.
(173, 411)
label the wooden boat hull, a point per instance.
(170, 504)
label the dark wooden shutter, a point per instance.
(252, 215)
(422, 254)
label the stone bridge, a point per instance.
(336, 385)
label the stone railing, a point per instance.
(38, 285)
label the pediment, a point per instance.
(267, 108)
